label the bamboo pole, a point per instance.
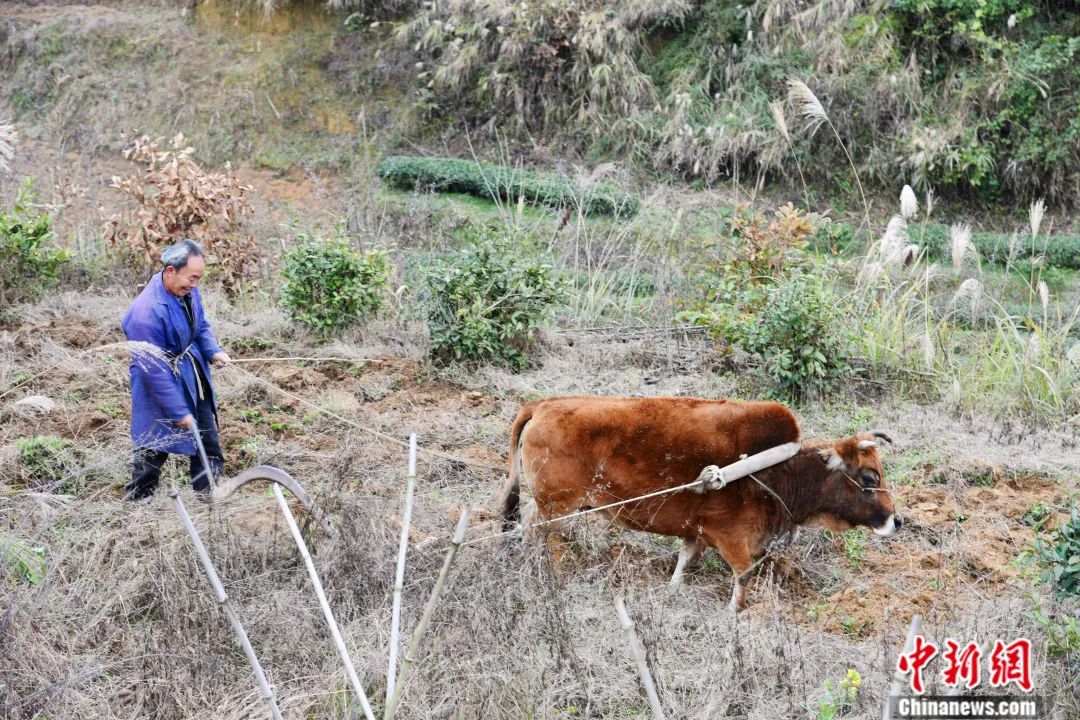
(897, 684)
(399, 577)
(639, 657)
(421, 627)
(223, 600)
(350, 670)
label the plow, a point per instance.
(221, 491)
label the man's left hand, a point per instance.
(220, 358)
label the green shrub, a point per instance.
(329, 285)
(1061, 558)
(1060, 251)
(494, 182)
(49, 462)
(19, 562)
(759, 298)
(800, 333)
(840, 698)
(837, 238)
(485, 303)
(30, 263)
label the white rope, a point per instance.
(300, 359)
(364, 428)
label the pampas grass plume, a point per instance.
(1035, 215)
(928, 351)
(9, 136)
(777, 110)
(909, 204)
(960, 236)
(807, 102)
(971, 291)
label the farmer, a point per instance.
(170, 396)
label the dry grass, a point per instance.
(122, 623)
(9, 138)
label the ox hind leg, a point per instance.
(555, 499)
(690, 551)
(538, 524)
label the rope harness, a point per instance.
(177, 360)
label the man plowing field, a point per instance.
(171, 389)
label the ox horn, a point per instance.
(883, 435)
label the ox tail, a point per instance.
(509, 506)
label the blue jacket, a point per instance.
(162, 393)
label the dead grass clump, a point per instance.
(175, 198)
(9, 137)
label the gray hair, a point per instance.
(178, 254)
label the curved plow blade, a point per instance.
(227, 486)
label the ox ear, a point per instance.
(866, 444)
(832, 459)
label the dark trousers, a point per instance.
(146, 468)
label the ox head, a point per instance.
(854, 492)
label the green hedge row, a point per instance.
(503, 183)
(1062, 251)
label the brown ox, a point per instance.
(586, 452)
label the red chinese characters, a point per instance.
(962, 665)
(1011, 663)
(916, 660)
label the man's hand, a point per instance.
(186, 422)
(220, 358)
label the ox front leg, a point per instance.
(691, 550)
(736, 553)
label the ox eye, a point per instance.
(869, 479)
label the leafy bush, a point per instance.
(1061, 559)
(840, 698)
(19, 562)
(30, 262)
(329, 285)
(835, 237)
(48, 461)
(759, 298)
(800, 333)
(1060, 251)
(484, 304)
(495, 182)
